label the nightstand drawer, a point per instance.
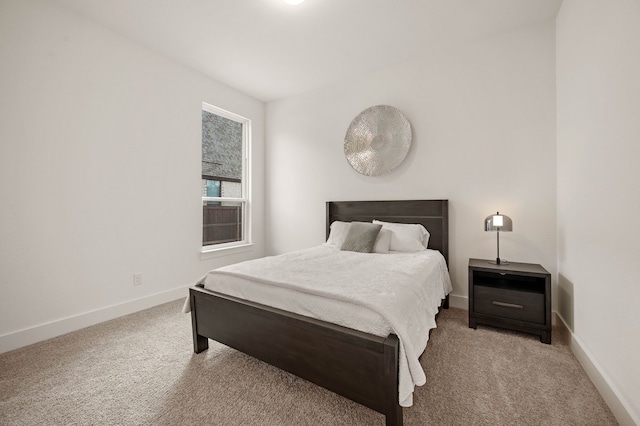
(518, 305)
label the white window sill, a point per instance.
(211, 252)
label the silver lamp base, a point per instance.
(502, 262)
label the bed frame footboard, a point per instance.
(359, 366)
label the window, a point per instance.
(225, 183)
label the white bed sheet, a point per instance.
(355, 290)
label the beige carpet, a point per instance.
(140, 369)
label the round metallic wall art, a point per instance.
(377, 140)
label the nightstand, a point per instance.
(516, 296)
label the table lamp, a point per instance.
(498, 222)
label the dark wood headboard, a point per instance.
(432, 214)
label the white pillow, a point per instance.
(338, 233)
(383, 241)
(406, 237)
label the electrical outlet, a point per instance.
(137, 279)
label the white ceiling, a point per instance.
(271, 50)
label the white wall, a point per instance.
(483, 119)
(598, 79)
(99, 137)
(100, 144)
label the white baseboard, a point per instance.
(56, 328)
(616, 402)
(461, 302)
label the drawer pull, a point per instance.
(507, 305)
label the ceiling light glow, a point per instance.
(293, 1)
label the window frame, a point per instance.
(245, 200)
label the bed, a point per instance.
(360, 366)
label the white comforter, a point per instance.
(376, 293)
